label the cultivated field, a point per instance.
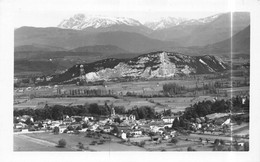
(22, 97)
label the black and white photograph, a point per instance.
(131, 77)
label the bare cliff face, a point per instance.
(157, 64)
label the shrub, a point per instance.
(62, 143)
(142, 143)
(85, 125)
(56, 130)
(190, 149)
(79, 128)
(81, 146)
(174, 141)
(246, 146)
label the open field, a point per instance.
(159, 103)
(23, 98)
(25, 143)
(73, 140)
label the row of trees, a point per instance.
(173, 88)
(57, 112)
(206, 88)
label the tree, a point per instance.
(56, 130)
(115, 130)
(81, 146)
(85, 125)
(62, 143)
(57, 112)
(216, 142)
(151, 134)
(28, 121)
(16, 120)
(174, 141)
(40, 125)
(70, 128)
(190, 149)
(222, 142)
(246, 146)
(176, 123)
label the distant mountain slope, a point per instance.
(200, 34)
(106, 49)
(240, 43)
(156, 64)
(37, 47)
(70, 39)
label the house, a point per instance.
(198, 120)
(173, 133)
(156, 138)
(83, 130)
(136, 133)
(88, 118)
(132, 117)
(155, 128)
(55, 123)
(47, 121)
(227, 122)
(167, 126)
(93, 127)
(62, 128)
(168, 119)
(107, 129)
(24, 118)
(20, 125)
(123, 136)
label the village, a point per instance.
(166, 132)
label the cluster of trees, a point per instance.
(204, 108)
(173, 88)
(144, 112)
(201, 109)
(180, 123)
(240, 103)
(56, 112)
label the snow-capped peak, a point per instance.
(209, 18)
(201, 20)
(165, 22)
(80, 21)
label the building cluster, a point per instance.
(122, 126)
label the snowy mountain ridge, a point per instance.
(80, 22)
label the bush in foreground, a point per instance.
(62, 143)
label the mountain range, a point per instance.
(131, 35)
(91, 38)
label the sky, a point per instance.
(49, 13)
